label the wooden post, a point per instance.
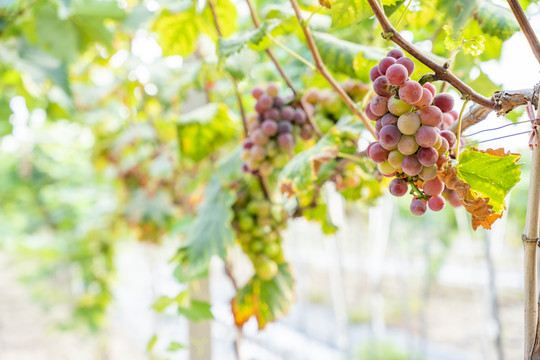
(530, 242)
(200, 337)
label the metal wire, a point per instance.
(501, 127)
(497, 138)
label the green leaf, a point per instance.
(196, 310)
(162, 303)
(229, 46)
(347, 57)
(202, 131)
(59, 37)
(240, 64)
(97, 8)
(496, 20)
(484, 82)
(320, 214)
(210, 233)
(491, 175)
(175, 346)
(266, 300)
(151, 343)
(347, 12)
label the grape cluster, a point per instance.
(273, 131)
(258, 223)
(412, 144)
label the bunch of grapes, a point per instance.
(273, 131)
(258, 223)
(409, 120)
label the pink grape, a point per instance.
(450, 137)
(398, 107)
(385, 63)
(447, 119)
(284, 127)
(266, 101)
(431, 88)
(369, 147)
(453, 199)
(389, 136)
(410, 165)
(377, 153)
(408, 63)
(428, 173)
(445, 102)
(370, 113)
(398, 187)
(426, 136)
(395, 158)
(300, 116)
(379, 105)
(287, 113)
(425, 101)
(389, 119)
(286, 141)
(257, 92)
(418, 207)
(279, 102)
(257, 153)
(258, 137)
(269, 127)
(378, 125)
(427, 156)
(273, 114)
(407, 145)
(397, 74)
(408, 123)
(248, 144)
(396, 53)
(436, 203)
(272, 89)
(430, 116)
(433, 187)
(444, 147)
(454, 114)
(381, 86)
(410, 92)
(374, 73)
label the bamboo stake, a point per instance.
(530, 242)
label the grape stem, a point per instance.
(403, 14)
(292, 52)
(325, 73)
(459, 129)
(525, 26)
(439, 70)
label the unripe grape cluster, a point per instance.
(273, 131)
(409, 119)
(258, 223)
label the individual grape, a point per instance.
(418, 207)
(450, 137)
(398, 107)
(430, 116)
(280, 160)
(265, 101)
(374, 73)
(397, 74)
(312, 96)
(407, 145)
(408, 123)
(425, 101)
(258, 137)
(436, 203)
(381, 86)
(287, 113)
(266, 270)
(385, 168)
(447, 120)
(279, 102)
(266, 169)
(377, 153)
(426, 136)
(408, 63)
(444, 147)
(445, 102)
(259, 108)
(431, 88)
(398, 187)
(257, 92)
(395, 158)
(272, 114)
(389, 136)
(285, 127)
(269, 127)
(370, 113)
(427, 156)
(247, 144)
(396, 53)
(385, 63)
(286, 141)
(433, 187)
(453, 199)
(410, 92)
(271, 149)
(438, 143)
(389, 119)
(271, 249)
(441, 160)
(454, 114)
(369, 147)
(410, 165)
(378, 127)
(428, 173)
(379, 105)
(306, 133)
(272, 89)
(257, 153)
(300, 116)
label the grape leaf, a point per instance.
(482, 179)
(194, 310)
(347, 12)
(203, 130)
(496, 20)
(240, 64)
(347, 57)
(266, 300)
(209, 234)
(256, 38)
